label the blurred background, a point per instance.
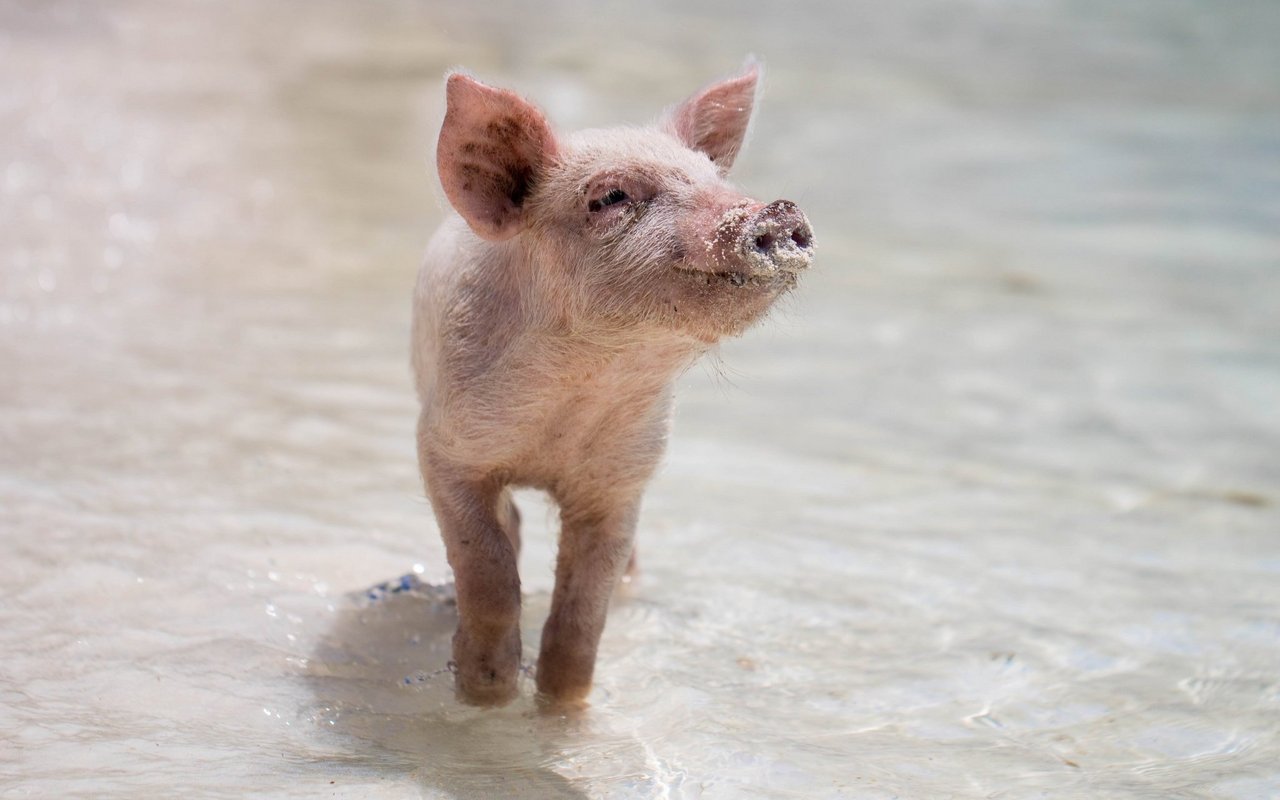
(987, 508)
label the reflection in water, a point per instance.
(988, 509)
(379, 679)
(381, 683)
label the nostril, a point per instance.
(775, 238)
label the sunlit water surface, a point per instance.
(987, 509)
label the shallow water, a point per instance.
(988, 509)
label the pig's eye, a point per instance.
(612, 198)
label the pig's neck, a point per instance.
(565, 325)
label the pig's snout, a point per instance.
(777, 238)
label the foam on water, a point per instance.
(987, 509)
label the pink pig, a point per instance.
(581, 275)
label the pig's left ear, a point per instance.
(493, 147)
(715, 120)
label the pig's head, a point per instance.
(625, 226)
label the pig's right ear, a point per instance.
(715, 120)
(493, 147)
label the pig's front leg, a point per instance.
(486, 646)
(596, 540)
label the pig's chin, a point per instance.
(715, 303)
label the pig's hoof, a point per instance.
(564, 705)
(561, 690)
(486, 667)
(486, 688)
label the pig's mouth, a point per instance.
(777, 279)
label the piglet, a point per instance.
(581, 274)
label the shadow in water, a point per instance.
(382, 685)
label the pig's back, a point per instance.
(438, 278)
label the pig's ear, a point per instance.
(715, 120)
(493, 147)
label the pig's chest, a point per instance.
(589, 412)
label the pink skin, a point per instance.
(581, 275)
